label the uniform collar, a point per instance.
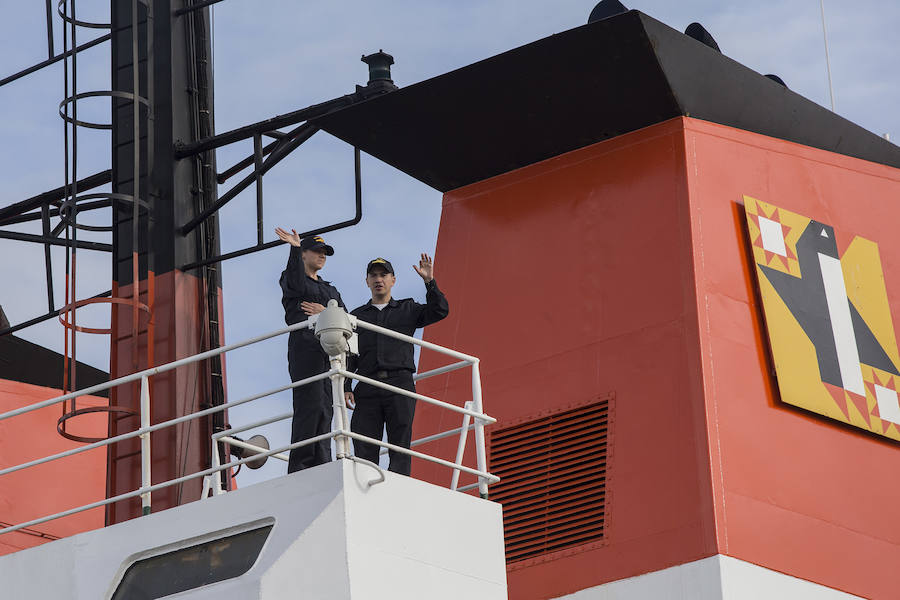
(392, 303)
(319, 280)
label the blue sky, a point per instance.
(275, 56)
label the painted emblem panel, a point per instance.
(828, 318)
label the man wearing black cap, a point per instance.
(389, 360)
(306, 294)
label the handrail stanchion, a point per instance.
(332, 335)
(461, 449)
(145, 445)
(479, 430)
(216, 478)
(341, 442)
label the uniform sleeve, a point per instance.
(435, 307)
(293, 278)
(352, 364)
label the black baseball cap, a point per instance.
(380, 262)
(316, 243)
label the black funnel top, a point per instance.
(597, 81)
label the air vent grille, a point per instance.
(553, 473)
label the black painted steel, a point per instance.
(53, 241)
(193, 7)
(343, 224)
(284, 147)
(597, 81)
(699, 33)
(291, 118)
(53, 60)
(49, 7)
(23, 361)
(41, 319)
(55, 195)
(48, 263)
(606, 9)
(54, 212)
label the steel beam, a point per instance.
(261, 127)
(40, 239)
(54, 212)
(59, 193)
(42, 318)
(54, 59)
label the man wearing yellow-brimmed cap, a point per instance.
(389, 360)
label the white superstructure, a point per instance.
(333, 536)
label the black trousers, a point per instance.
(377, 410)
(313, 405)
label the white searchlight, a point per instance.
(333, 329)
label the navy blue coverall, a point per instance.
(313, 406)
(391, 361)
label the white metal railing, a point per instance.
(473, 418)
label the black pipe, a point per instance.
(48, 265)
(57, 58)
(342, 225)
(46, 317)
(18, 208)
(27, 237)
(273, 159)
(54, 212)
(248, 131)
(49, 28)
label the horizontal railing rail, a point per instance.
(473, 419)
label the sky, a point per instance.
(275, 56)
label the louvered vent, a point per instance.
(553, 473)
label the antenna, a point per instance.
(827, 61)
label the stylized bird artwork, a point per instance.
(804, 282)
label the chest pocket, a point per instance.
(399, 319)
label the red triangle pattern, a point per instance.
(774, 260)
(861, 405)
(837, 393)
(770, 255)
(767, 213)
(785, 232)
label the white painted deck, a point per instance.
(333, 538)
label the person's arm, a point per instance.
(352, 366)
(436, 306)
(293, 279)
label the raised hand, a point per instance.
(425, 269)
(311, 308)
(291, 238)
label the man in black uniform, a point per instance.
(389, 360)
(306, 294)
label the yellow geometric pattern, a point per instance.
(796, 363)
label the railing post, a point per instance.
(215, 464)
(145, 445)
(479, 430)
(461, 449)
(341, 420)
